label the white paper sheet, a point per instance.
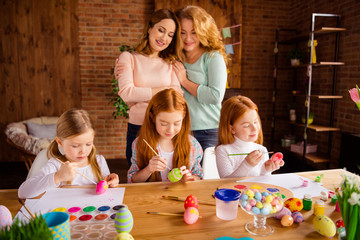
(291, 182)
(72, 197)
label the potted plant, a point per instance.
(295, 56)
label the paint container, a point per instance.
(94, 235)
(72, 218)
(324, 196)
(97, 227)
(117, 207)
(334, 199)
(110, 235)
(307, 202)
(80, 227)
(104, 209)
(59, 209)
(85, 218)
(89, 210)
(101, 217)
(77, 236)
(319, 208)
(227, 202)
(74, 211)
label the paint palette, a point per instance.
(92, 222)
(240, 186)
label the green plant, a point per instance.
(35, 229)
(295, 53)
(120, 105)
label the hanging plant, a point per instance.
(120, 105)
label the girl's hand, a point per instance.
(67, 172)
(119, 68)
(254, 158)
(180, 71)
(271, 165)
(157, 163)
(112, 179)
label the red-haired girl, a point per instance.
(166, 128)
(240, 132)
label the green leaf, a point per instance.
(353, 222)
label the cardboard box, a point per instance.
(299, 147)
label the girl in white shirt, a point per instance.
(74, 147)
(240, 132)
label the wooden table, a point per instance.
(146, 197)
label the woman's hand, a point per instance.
(180, 72)
(67, 172)
(157, 163)
(112, 179)
(119, 68)
(271, 165)
(254, 158)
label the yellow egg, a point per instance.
(324, 225)
(294, 204)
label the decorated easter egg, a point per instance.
(278, 156)
(287, 221)
(191, 201)
(294, 204)
(324, 225)
(339, 223)
(124, 236)
(101, 187)
(191, 215)
(283, 212)
(298, 217)
(123, 220)
(174, 175)
(5, 217)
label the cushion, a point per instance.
(41, 130)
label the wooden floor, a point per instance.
(13, 174)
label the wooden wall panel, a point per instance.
(40, 62)
(226, 13)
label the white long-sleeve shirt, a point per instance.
(236, 166)
(44, 180)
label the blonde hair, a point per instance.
(167, 100)
(233, 109)
(72, 123)
(173, 51)
(205, 28)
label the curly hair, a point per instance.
(173, 51)
(205, 28)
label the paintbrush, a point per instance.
(79, 173)
(181, 199)
(237, 154)
(154, 151)
(27, 209)
(168, 214)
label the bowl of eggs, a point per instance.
(261, 205)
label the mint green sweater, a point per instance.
(209, 71)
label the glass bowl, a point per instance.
(258, 226)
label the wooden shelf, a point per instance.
(319, 96)
(321, 31)
(318, 128)
(312, 158)
(328, 64)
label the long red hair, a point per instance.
(233, 109)
(167, 100)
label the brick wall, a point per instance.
(105, 25)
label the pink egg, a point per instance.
(284, 211)
(191, 215)
(101, 187)
(252, 202)
(248, 207)
(5, 217)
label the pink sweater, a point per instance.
(140, 75)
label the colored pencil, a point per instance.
(168, 214)
(151, 147)
(181, 199)
(237, 154)
(78, 173)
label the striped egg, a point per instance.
(175, 175)
(5, 217)
(123, 220)
(298, 217)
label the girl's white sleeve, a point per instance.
(41, 182)
(103, 165)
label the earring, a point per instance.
(61, 150)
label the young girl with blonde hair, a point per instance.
(240, 132)
(203, 74)
(166, 128)
(70, 152)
